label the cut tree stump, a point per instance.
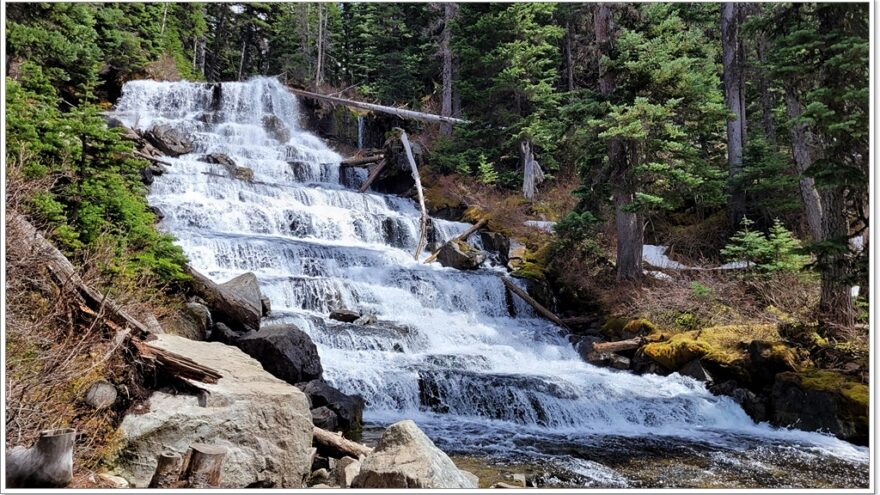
(167, 471)
(532, 302)
(47, 464)
(339, 443)
(461, 237)
(620, 345)
(202, 466)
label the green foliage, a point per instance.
(701, 291)
(771, 189)
(488, 175)
(766, 253)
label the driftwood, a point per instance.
(339, 443)
(461, 237)
(47, 464)
(151, 158)
(398, 112)
(620, 345)
(532, 302)
(167, 471)
(225, 301)
(423, 235)
(359, 161)
(63, 270)
(176, 364)
(373, 175)
(202, 466)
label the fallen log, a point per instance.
(461, 237)
(533, 303)
(47, 464)
(373, 175)
(580, 320)
(167, 471)
(423, 231)
(151, 158)
(339, 443)
(398, 112)
(176, 364)
(359, 161)
(63, 271)
(224, 301)
(620, 345)
(202, 466)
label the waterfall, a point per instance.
(360, 132)
(451, 357)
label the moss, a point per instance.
(724, 345)
(436, 198)
(676, 352)
(530, 270)
(639, 326)
(854, 396)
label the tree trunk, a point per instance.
(423, 231)
(764, 88)
(802, 142)
(620, 345)
(569, 63)
(546, 313)
(167, 470)
(532, 173)
(47, 464)
(835, 302)
(319, 63)
(338, 443)
(629, 225)
(203, 466)
(449, 12)
(460, 237)
(398, 112)
(630, 239)
(734, 98)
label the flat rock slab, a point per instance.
(264, 422)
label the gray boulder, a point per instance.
(264, 422)
(406, 458)
(325, 418)
(344, 315)
(285, 351)
(169, 140)
(496, 243)
(349, 409)
(460, 255)
(193, 322)
(246, 287)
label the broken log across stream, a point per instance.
(532, 302)
(399, 112)
(464, 235)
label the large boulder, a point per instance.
(498, 244)
(406, 458)
(235, 303)
(460, 255)
(285, 351)
(247, 288)
(349, 409)
(169, 140)
(821, 400)
(264, 422)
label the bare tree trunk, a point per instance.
(423, 231)
(449, 12)
(569, 64)
(630, 239)
(764, 88)
(532, 173)
(630, 234)
(835, 302)
(802, 142)
(241, 60)
(732, 58)
(319, 63)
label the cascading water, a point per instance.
(360, 120)
(477, 379)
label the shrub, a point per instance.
(765, 253)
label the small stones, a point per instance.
(344, 315)
(101, 395)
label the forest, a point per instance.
(681, 189)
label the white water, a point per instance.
(460, 365)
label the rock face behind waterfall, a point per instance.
(406, 458)
(264, 422)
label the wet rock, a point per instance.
(406, 458)
(285, 351)
(325, 418)
(193, 322)
(156, 169)
(460, 255)
(755, 406)
(276, 128)
(496, 243)
(222, 333)
(147, 176)
(695, 370)
(608, 360)
(368, 319)
(344, 315)
(235, 303)
(264, 422)
(246, 287)
(219, 159)
(101, 395)
(349, 409)
(767, 359)
(169, 140)
(266, 305)
(156, 211)
(821, 400)
(346, 470)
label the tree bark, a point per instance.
(449, 12)
(546, 313)
(620, 345)
(569, 63)
(802, 142)
(764, 88)
(734, 98)
(339, 444)
(532, 173)
(835, 301)
(319, 63)
(203, 466)
(373, 174)
(630, 239)
(47, 464)
(177, 365)
(423, 231)
(167, 470)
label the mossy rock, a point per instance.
(722, 347)
(621, 328)
(676, 352)
(822, 400)
(530, 271)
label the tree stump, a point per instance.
(48, 464)
(202, 466)
(167, 470)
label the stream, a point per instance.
(500, 393)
